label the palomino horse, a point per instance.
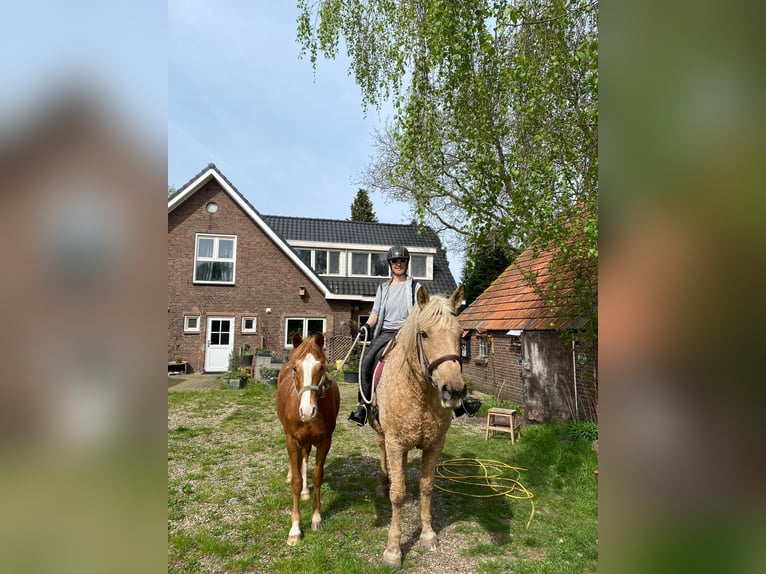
(420, 385)
(308, 401)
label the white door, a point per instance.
(219, 342)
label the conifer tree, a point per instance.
(361, 208)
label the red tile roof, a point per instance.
(511, 303)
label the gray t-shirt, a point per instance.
(397, 305)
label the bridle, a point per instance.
(428, 367)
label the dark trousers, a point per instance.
(368, 362)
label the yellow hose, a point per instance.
(493, 476)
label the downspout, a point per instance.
(574, 374)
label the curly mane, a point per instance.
(436, 313)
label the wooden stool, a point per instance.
(492, 414)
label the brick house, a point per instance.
(236, 276)
(513, 347)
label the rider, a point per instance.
(394, 300)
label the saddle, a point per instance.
(379, 362)
(377, 371)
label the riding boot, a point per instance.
(359, 414)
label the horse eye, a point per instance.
(424, 335)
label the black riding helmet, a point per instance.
(398, 252)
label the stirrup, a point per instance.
(360, 418)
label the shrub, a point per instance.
(581, 430)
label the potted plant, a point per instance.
(247, 355)
(351, 369)
(238, 379)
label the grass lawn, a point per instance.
(229, 506)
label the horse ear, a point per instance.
(456, 300)
(422, 295)
(297, 339)
(319, 338)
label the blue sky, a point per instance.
(240, 96)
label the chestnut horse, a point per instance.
(420, 385)
(308, 401)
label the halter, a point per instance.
(430, 366)
(323, 385)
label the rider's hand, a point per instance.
(365, 332)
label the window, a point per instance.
(351, 263)
(362, 320)
(327, 262)
(333, 263)
(320, 260)
(214, 259)
(191, 324)
(418, 267)
(304, 326)
(483, 347)
(360, 264)
(248, 324)
(465, 346)
(305, 255)
(380, 267)
(369, 264)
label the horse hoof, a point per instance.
(393, 558)
(316, 526)
(429, 540)
(293, 540)
(305, 495)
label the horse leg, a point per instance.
(294, 451)
(383, 480)
(397, 459)
(428, 538)
(304, 473)
(317, 478)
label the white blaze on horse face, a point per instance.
(305, 409)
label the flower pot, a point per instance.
(350, 377)
(237, 382)
(247, 360)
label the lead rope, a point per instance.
(361, 359)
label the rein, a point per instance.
(430, 366)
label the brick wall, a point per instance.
(500, 373)
(264, 277)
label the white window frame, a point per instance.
(253, 329)
(288, 343)
(369, 255)
(216, 238)
(429, 266)
(310, 251)
(327, 253)
(484, 347)
(313, 258)
(187, 328)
